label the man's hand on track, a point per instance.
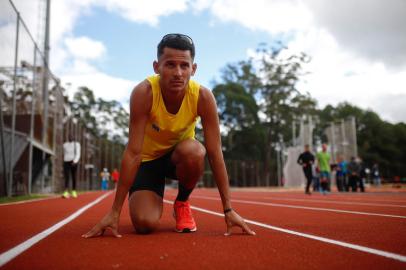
(110, 221)
(232, 220)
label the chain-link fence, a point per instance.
(241, 173)
(31, 102)
(33, 121)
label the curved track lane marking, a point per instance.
(7, 256)
(302, 207)
(374, 251)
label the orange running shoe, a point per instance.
(184, 219)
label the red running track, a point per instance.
(294, 231)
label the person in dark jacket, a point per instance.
(354, 170)
(364, 171)
(306, 160)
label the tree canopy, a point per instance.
(100, 116)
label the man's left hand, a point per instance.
(232, 219)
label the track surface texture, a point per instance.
(294, 231)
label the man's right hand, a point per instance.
(110, 221)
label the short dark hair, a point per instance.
(176, 41)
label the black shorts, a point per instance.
(151, 175)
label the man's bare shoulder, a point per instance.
(206, 101)
(205, 94)
(142, 95)
(143, 88)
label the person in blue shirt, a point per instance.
(341, 174)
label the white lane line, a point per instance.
(7, 256)
(336, 202)
(348, 195)
(319, 201)
(302, 207)
(374, 251)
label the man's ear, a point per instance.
(194, 67)
(155, 65)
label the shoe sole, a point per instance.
(186, 230)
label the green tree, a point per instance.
(238, 113)
(83, 107)
(237, 108)
(100, 116)
(113, 115)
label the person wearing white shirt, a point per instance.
(71, 156)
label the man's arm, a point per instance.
(140, 106)
(77, 152)
(312, 158)
(300, 159)
(207, 110)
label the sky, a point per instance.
(357, 47)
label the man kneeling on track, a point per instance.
(163, 112)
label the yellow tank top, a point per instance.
(164, 130)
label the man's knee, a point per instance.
(190, 151)
(145, 210)
(144, 224)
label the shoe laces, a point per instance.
(183, 210)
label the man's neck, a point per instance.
(172, 101)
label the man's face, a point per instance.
(175, 68)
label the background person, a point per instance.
(323, 161)
(306, 160)
(354, 170)
(105, 177)
(71, 156)
(115, 176)
(316, 178)
(341, 174)
(364, 172)
(376, 175)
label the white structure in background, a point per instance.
(342, 137)
(293, 173)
